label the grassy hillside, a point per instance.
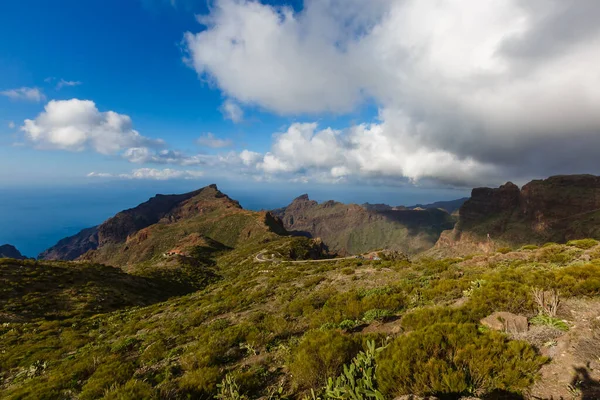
(278, 330)
(59, 290)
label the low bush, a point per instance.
(131, 390)
(455, 359)
(549, 321)
(424, 317)
(583, 244)
(200, 382)
(377, 314)
(529, 247)
(319, 355)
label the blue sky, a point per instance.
(403, 95)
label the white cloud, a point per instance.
(11, 125)
(144, 155)
(24, 93)
(467, 90)
(100, 175)
(210, 140)
(62, 83)
(77, 125)
(151, 174)
(232, 111)
(363, 151)
(250, 158)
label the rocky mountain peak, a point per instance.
(10, 251)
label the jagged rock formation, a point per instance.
(354, 229)
(167, 224)
(10, 251)
(556, 209)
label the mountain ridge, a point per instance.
(10, 251)
(556, 209)
(354, 229)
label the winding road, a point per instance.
(260, 257)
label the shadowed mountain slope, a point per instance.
(557, 209)
(10, 251)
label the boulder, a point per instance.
(506, 322)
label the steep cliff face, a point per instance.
(167, 223)
(557, 209)
(354, 229)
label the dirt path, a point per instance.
(574, 371)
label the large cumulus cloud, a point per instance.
(468, 91)
(76, 125)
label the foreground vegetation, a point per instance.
(332, 330)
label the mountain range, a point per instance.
(556, 209)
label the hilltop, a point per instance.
(10, 251)
(354, 229)
(168, 225)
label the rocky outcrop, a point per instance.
(10, 251)
(506, 322)
(353, 229)
(556, 209)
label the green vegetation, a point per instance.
(583, 244)
(549, 321)
(455, 358)
(319, 355)
(277, 330)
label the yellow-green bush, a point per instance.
(455, 359)
(319, 355)
(583, 244)
(108, 374)
(131, 390)
(424, 317)
(200, 382)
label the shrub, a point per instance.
(229, 390)
(200, 382)
(507, 295)
(424, 317)
(376, 314)
(319, 355)
(558, 254)
(107, 375)
(132, 390)
(455, 359)
(549, 321)
(358, 380)
(529, 247)
(583, 244)
(504, 250)
(347, 324)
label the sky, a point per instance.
(412, 96)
